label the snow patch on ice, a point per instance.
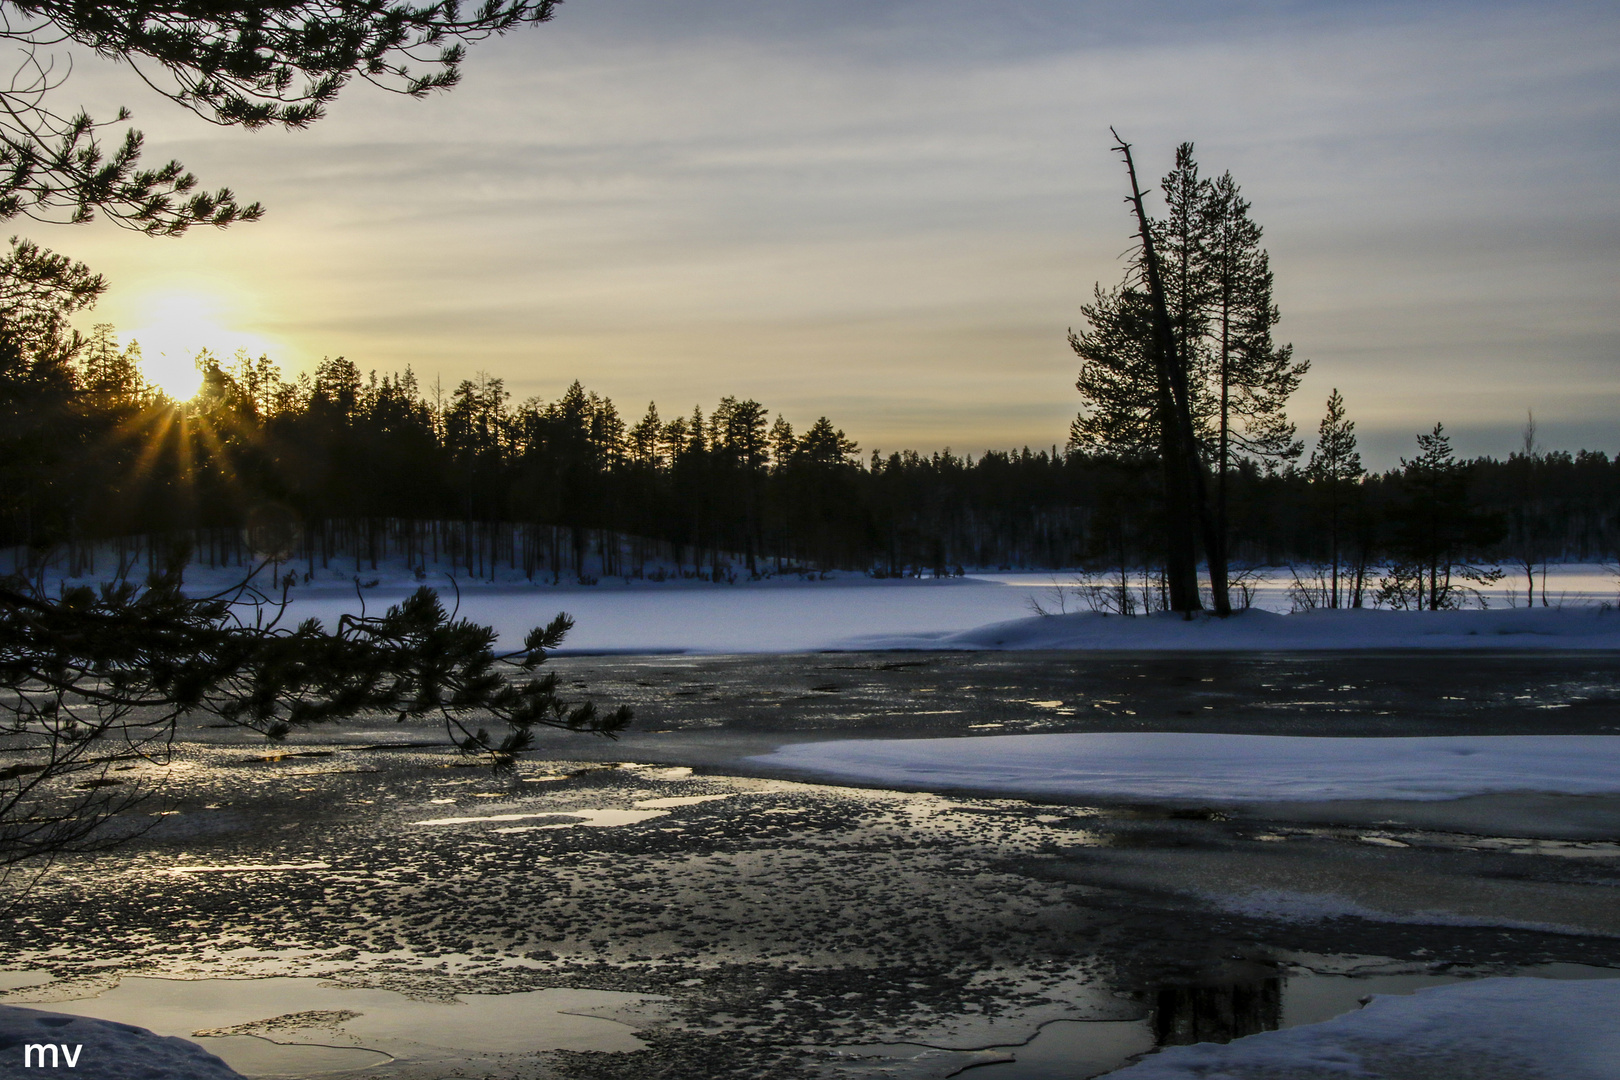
(1507, 1027)
(1221, 768)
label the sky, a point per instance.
(890, 213)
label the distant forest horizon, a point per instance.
(350, 460)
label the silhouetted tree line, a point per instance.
(339, 466)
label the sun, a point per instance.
(177, 326)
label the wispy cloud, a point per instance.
(890, 213)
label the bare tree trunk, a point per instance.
(1185, 504)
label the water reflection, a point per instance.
(1217, 1010)
(1220, 1012)
(1214, 1009)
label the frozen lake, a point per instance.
(363, 898)
(790, 615)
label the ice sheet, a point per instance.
(1220, 768)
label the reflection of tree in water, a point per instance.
(1217, 1012)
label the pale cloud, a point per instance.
(890, 213)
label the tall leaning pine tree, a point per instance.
(1186, 508)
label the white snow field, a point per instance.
(862, 614)
(1220, 768)
(1492, 1029)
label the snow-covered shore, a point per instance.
(1219, 768)
(1506, 1027)
(864, 615)
(848, 611)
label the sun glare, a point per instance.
(179, 325)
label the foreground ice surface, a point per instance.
(101, 1048)
(296, 1027)
(1223, 768)
(1493, 1029)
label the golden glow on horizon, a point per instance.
(178, 326)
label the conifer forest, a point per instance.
(362, 467)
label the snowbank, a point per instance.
(1517, 1027)
(99, 1048)
(1265, 631)
(1221, 768)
